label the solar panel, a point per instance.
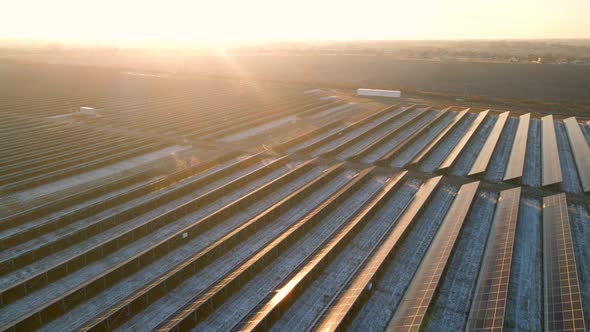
(516, 162)
(450, 160)
(580, 150)
(412, 138)
(310, 146)
(418, 297)
(485, 154)
(398, 117)
(351, 295)
(489, 306)
(417, 114)
(214, 295)
(563, 301)
(439, 137)
(279, 301)
(551, 165)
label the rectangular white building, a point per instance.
(379, 93)
(88, 110)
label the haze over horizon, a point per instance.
(177, 22)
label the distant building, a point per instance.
(562, 61)
(379, 93)
(88, 111)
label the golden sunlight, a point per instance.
(178, 22)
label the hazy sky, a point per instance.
(179, 21)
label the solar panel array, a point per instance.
(551, 165)
(413, 136)
(515, 166)
(580, 149)
(417, 299)
(414, 116)
(231, 228)
(452, 156)
(483, 159)
(339, 311)
(422, 154)
(563, 301)
(488, 309)
(274, 305)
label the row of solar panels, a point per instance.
(492, 282)
(562, 296)
(343, 142)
